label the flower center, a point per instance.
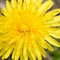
(23, 28)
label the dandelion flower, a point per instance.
(27, 28)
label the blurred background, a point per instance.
(50, 55)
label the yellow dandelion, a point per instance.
(27, 28)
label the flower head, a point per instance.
(27, 28)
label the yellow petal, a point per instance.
(8, 6)
(49, 47)
(38, 53)
(25, 50)
(24, 6)
(49, 15)
(22, 57)
(18, 48)
(20, 2)
(55, 24)
(1, 45)
(55, 19)
(4, 49)
(39, 3)
(5, 12)
(14, 3)
(32, 52)
(43, 43)
(30, 56)
(7, 54)
(56, 34)
(37, 47)
(39, 38)
(52, 41)
(47, 5)
(27, 3)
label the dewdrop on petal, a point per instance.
(26, 29)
